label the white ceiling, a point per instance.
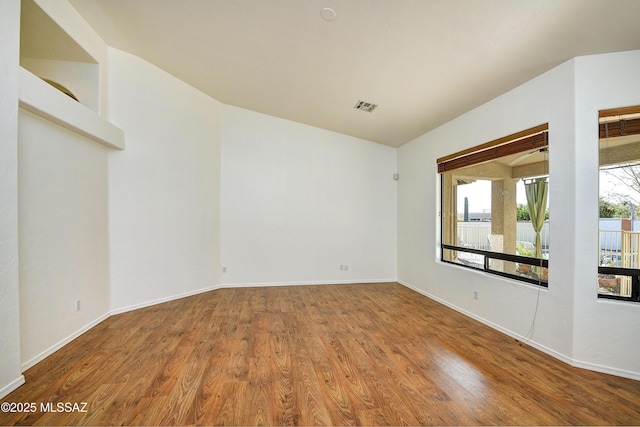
(423, 61)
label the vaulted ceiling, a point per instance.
(423, 62)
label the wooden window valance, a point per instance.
(619, 122)
(530, 139)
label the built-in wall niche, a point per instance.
(48, 52)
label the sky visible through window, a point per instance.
(479, 194)
(614, 190)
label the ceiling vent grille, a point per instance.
(365, 106)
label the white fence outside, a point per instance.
(617, 247)
(476, 234)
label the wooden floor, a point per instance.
(369, 354)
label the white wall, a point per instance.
(298, 202)
(63, 230)
(508, 305)
(63, 205)
(10, 372)
(570, 322)
(606, 332)
(164, 188)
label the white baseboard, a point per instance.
(49, 351)
(606, 369)
(492, 325)
(576, 363)
(239, 285)
(57, 346)
(13, 385)
(557, 355)
(165, 299)
(305, 283)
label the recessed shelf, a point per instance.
(47, 51)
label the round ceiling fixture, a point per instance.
(328, 14)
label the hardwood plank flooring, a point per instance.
(365, 354)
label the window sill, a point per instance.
(488, 256)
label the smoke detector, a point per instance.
(365, 106)
(328, 14)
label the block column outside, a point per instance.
(503, 220)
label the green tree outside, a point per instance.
(522, 213)
(614, 210)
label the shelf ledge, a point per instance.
(42, 99)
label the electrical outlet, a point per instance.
(224, 269)
(476, 294)
(77, 305)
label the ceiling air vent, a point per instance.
(365, 106)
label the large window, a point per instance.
(619, 196)
(494, 209)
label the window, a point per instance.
(619, 197)
(494, 206)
